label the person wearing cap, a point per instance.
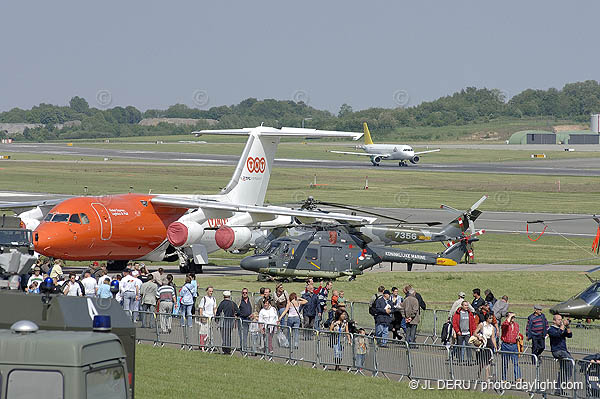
(383, 318)
(129, 291)
(36, 276)
(536, 331)
(458, 304)
(229, 310)
(410, 310)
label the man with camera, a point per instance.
(558, 332)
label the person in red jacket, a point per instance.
(463, 326)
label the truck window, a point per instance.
(106, 383)
(48, 384)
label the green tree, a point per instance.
(79, 104)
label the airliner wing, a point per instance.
(426, 152)
(179, 202)
(18, 207)
(361, 153)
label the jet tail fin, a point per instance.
(368, 140)
(248, 185)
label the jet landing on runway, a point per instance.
(387, 152)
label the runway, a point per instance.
(563, 167)
(492, 222)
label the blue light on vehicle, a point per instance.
(101, 323)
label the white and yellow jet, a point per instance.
(393, 152)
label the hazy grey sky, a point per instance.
(152, 54)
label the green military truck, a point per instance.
(61, 364)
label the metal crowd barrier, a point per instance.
(361, 354)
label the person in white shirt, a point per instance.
(129, 291)
(72, 288)
(267, 319)
(138, 289)
(36, 276)
(90, 285)
(208, 304)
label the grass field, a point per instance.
(386, 188)
(170, 373)
(440, 289)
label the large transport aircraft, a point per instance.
(386, 152)
(124, 227)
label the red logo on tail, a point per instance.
(256, 165)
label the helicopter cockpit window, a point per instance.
(272, 248)
(75, 218)
(311, 254)
(592, 295)
(60, 217)
(84, 218)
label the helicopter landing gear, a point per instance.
(409, 267)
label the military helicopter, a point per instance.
(585, 305)
(398, 233)
(336, 251)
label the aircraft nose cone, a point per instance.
(47, 241)
(254, 263)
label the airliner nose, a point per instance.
(48, 241)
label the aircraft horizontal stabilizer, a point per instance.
(178, 202)
(283, 132)
(426, 152)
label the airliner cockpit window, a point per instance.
(74, 218)
(84, 219)
(48, 217)
(60, 217)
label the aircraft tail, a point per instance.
(368, 140)
(456, 251)
(465, 221)
(248, 185)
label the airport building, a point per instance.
(591, 136)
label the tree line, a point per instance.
(575, 101)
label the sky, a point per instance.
(152, 54)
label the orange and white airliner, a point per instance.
(120, 228)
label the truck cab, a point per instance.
(46, 364)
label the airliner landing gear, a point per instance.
(116, 265)
(375, 163)
(402, 163)
(187, 264)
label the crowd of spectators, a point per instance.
(484, 322)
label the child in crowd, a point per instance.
(255, 333)
(204, 333)
(33, 288)
(361, 349)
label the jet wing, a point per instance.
(18, 207)
(179, 202)
(365, 154)
(426, 152)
